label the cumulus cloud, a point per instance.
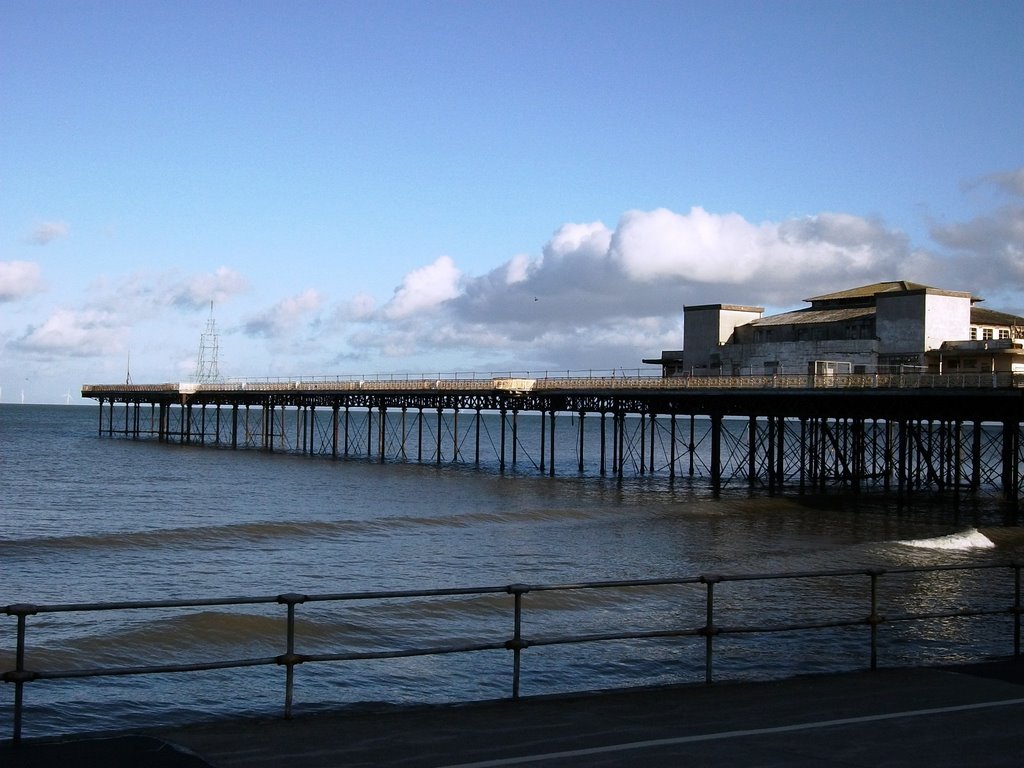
(654, 262)
(989, 249)
(1011, 181)
(75, 333)
(598, 294)
(285, 316)
(19, 279)
(199, 290)
(47, 231)
(699, 246)
(424, 288)
(1008, 182)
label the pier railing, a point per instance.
(855, 602)
(576, 381)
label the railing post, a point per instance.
(517, 644)
(20, 675)
(289, 658)
(1016, 610)
(873, 618)
(709, 630)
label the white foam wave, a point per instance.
(962, 540)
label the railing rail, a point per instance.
(583, 380)
(710, 630)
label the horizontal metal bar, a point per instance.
(156, 669)
(406, 653)
(15, 609)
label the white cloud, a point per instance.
(424, 289)
(361, 307)
(698, 246)
(199, 290)
(76, 333)
(285, 316)
(19, 279)
(518, 269)
(584, 241)
(47, 231)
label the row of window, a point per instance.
(988, 333)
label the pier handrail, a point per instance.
(579, 381)
(707, 627)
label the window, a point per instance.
(974, 333)
(986, 333)
(1004, 333)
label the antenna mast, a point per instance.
(209, 346)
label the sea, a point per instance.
(90, 518)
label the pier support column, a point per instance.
(691, 447)
(583, 415)
(402, 450)
(311, 430)
(716, 454)
(369, 431)
(604, 415)
(543, 439)
(780, 452)
(551, 465)
(643, 444)
(455, 436)
(751, 450)
(476, 457)
(419, 436)
(803, 455)
(334, 430)
(654, 432)
(440, 425)
(501, 449)
(515, 437)
(1010, 472)
(672, 448)
(976, 455)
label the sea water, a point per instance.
(87, 519)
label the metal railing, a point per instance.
(867, 612)
(582, 380)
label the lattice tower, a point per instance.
(209, 346)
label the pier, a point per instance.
(806, 433)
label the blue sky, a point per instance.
(437, 186)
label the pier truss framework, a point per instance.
(802, 437)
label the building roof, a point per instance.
(982, 316)
(889, 286)
(814, 315)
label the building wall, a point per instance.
(708, 327)
(795, 356)
(912, 323)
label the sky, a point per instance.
(362, 188)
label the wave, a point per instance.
(234, 533)
(959, 541)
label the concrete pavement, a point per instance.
(932, 718)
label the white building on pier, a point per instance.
(883, 327)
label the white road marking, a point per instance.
(734, 734)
